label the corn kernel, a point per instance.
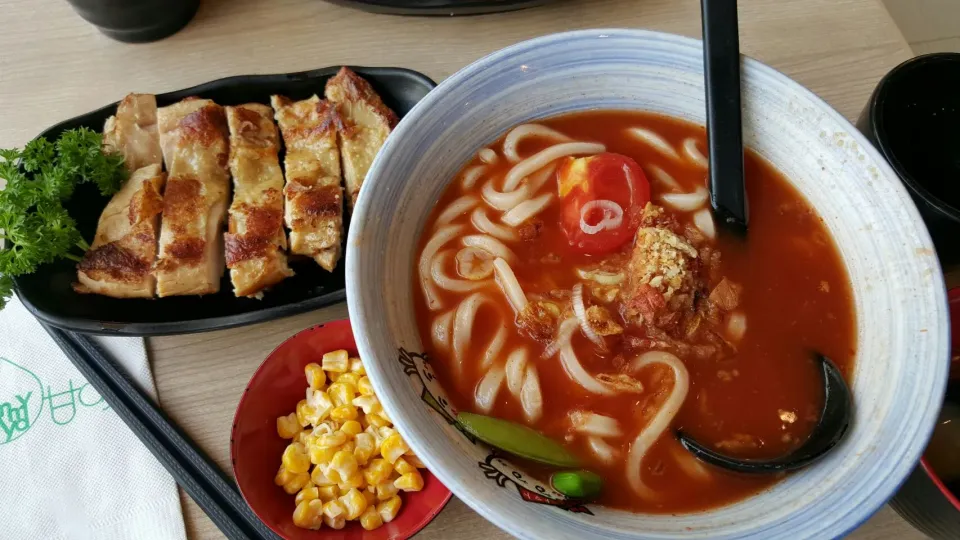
(386, 431)
(287, 426)
(320, 403)
(308, 493)
(320, 479)
(365, 387)
(377, 439)
(328, 493)
(341, 393)
(308, 515)
(377, 472)
(370, 496)
(353, 503)
(344, 413)
(388, 509)
(332, 440)
(414, 460)
(344, 463)
(370, 519)
(393, 447)
(320, 455)
(409, 482)
(376, 420)
(296, 483)
(316, 378)
(337, 361)
(333, 508)
(338, 522)
(295, 458)
(385, 416)
(349, 378)
(333, 475)
(283, 476)
(306, 438)
(365, 447)
(305, 413)
(349, 446)
(356, 366)
(355, 481)
(351, 428)
(386, 491)
(402, 466)
(369, 404)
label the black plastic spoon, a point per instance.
(833, 424)
(721, 64)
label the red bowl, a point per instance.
(255, 448)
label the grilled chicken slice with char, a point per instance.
(313, 208)
(193, 137)
(364, 124)
(255, 244)
(120, 260)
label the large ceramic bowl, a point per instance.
(902, 331)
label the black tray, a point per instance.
(439, 7)
(48, 294)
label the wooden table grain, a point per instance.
(54, 66)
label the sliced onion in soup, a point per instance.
(602, 449)
(694, 154)
(595, 424)
(686, 202)
(703, 219)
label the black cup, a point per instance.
(913, 118)
(137, 21)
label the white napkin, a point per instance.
(69, 467)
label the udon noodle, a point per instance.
(561, 289)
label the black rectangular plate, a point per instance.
(48, 293)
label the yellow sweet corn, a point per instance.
(388, 509)
(316, 378)
(308, 515)
(283, 476)
(305, 413)
(320, 479)
(338, 522)
(386, 490)
(320, 455)
(337, 361)
(295, 458)
(370, 496)
(349, 447)
(332, 440)
(296, 483)
(377, 421)
(369, 404)
(351, 427)
(377, 472)
(402, 466)
(386, 431)
(385, 416)
(372, 431)
(414, 460)
(365, 387)
(344, 463)
(344, 413)
(393, 447)
(349, 378)
(306, 438)
(370, 519)
(328, 493)
(320, 404)
(355, 480)
(365, 447)
(308, 493)
(353, 503)
(356, 366)
(333, 508)
(341, 393)
(409, 482)
(287, 426)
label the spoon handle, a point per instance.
(721, 62)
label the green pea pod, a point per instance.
(577, 484)
(517, 439)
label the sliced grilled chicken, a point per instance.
(313, 195)
(193, 136)
(133, 131)
(364, 124)
(255, 243)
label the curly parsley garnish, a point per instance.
(34, 226)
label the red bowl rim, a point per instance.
(940, 485)
(427, 518)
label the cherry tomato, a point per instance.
(602, 198)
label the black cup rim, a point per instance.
(879, 130)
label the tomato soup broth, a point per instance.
(754, 390)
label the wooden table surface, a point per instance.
(54, 66)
